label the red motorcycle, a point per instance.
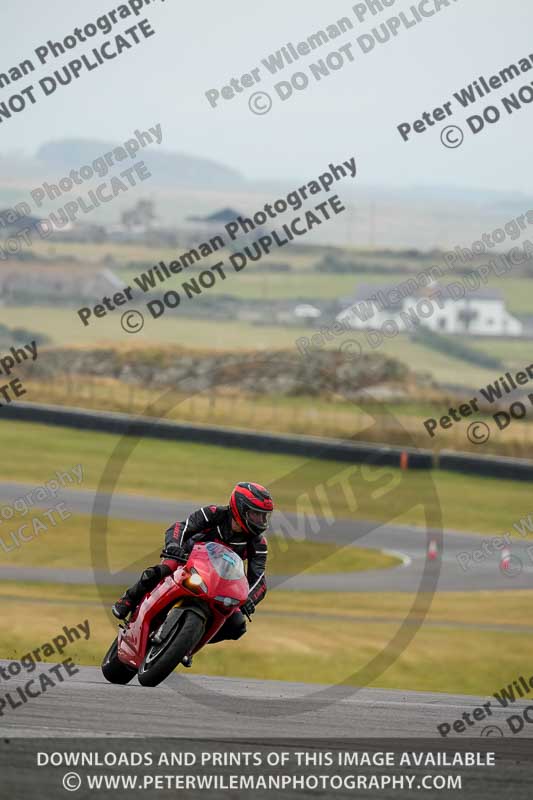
(179, 616)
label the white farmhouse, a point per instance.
(480, 313)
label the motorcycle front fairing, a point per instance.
(133, 638)
(213, 577)
(227, 586)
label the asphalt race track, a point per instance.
(86, 705)
(410, 544)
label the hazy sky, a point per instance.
(355, 111)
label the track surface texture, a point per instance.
(86, 705)
(408, 543)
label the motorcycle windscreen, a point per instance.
(228, 565)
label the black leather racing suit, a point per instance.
(210, 523)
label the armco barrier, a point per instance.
(308, 446)
(124, 424)
(518, 469)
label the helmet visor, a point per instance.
(258, 520)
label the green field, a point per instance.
(178, 470)
(253, 285)
(285, 640)
(67, 545)
(64, 328)
(301, 282)
(317, 286)
(298, 256)
(514, 354)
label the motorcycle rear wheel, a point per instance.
(113, 669)
(162, 659)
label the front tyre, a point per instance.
(114, 670)
(162, 659)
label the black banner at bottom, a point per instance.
(47, 768)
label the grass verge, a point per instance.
(68, 546)
(183, 471)
(279, 646)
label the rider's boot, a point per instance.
(132, 597)
(123, 607)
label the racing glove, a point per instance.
(248, 608)
(176, 552)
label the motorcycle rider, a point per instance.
(240, 526)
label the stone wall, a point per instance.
(285, 372)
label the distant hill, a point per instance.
(167, 168)
(224, 215)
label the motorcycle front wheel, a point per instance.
(162, 659)
(114, 670)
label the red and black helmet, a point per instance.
(251, 506)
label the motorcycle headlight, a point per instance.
(194, 582)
